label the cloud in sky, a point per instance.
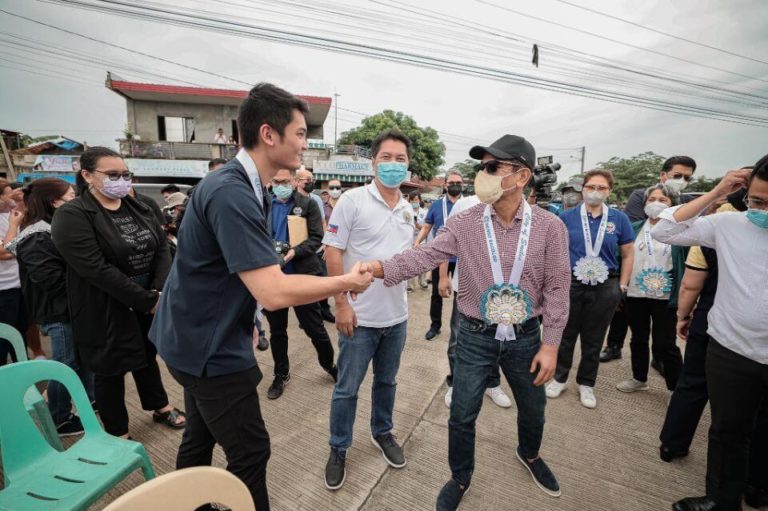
(67, 96)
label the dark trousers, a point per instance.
(225, 410)
(494, 380)
(738, 390)
(110, 394)
(478, 354)
(690, 396)
(436, 305)
(618, 330)
(12, 312)
(311, 322)
(592, 308)
(649, 317)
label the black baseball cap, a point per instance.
(508, 147)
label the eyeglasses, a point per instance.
(596, 188)
(115, 175)
(334, 188)
(679, 176)
(281, 182)
(307, 179)
(755, 203)
(491, 166)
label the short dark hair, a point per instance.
(391, 134)
(89, 160)
(170, 189)
(266, 104)
(685, 161)
(216, 161)
(607, 174)
(39, 196)
(760, 171)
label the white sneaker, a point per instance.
(632, 385)
(448, 397)
(554, 389)
(498, 396)
(587, 396)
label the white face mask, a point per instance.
(676, 185)
(654, 209)
(335, 194)
(595, 198)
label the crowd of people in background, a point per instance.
(114, 279)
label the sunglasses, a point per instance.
(678, 176)
(115, 175)
(334, 188)
(491, 166)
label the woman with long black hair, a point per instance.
(117, 261)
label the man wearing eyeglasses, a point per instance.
(334, 190)
(513, 268)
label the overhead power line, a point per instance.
(661, 32)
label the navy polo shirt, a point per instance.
(618, 232)
(435, 216)
(204, 321)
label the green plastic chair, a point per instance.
(34, 401)
(40, 478)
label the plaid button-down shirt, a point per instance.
(546, 274)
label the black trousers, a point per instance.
(225, 410)
(13, 312)
(618, 330)
(436, 305)
(110, 393)
(592, 308)
(649, 317)
(738, 393)
(690, 397)
(311, 321)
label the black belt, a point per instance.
(482, 326)
(610, 276)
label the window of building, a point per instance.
(175, 129)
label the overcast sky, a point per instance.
(68, 97)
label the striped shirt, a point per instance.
(546, 274)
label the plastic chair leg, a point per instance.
(146, 465)
(43, 416)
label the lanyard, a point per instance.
(649, 246)
(593, 250)
(522, 246)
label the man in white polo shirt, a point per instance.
(370, 222)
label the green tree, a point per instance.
(702, 184)
(466, 168)
(629, 174)
(428, 151)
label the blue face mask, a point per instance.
(758, 217)
(392, 174)
(282, 192)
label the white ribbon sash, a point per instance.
(507, 332)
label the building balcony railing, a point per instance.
(176, 150)
(354, 150)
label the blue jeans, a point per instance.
(63, 349)
(383, 346)
(494, 379)
(477, 354)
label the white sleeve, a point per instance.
(700, 230)
(340, 224)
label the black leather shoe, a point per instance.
(696, 504)
(432, 333)
(328, 315)
(263, 343)
(756, 497)
(667, 454)
(278, 386)
(610, 353)
(334, 373)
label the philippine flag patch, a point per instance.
(333, 229)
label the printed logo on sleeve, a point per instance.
(333, 229)
(610, 227)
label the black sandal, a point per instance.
(170, 418)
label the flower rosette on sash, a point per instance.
(654, 282)
(506, 305)
(591, 269)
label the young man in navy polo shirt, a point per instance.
(225, 259)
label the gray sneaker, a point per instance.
(392, 452)
(335, 471)
(632, 385)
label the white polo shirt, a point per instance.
(462, 204)
(366, 229)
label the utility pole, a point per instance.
(8, 161)
(336, 119)
(583, 154)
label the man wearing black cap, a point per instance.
(513, 268)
